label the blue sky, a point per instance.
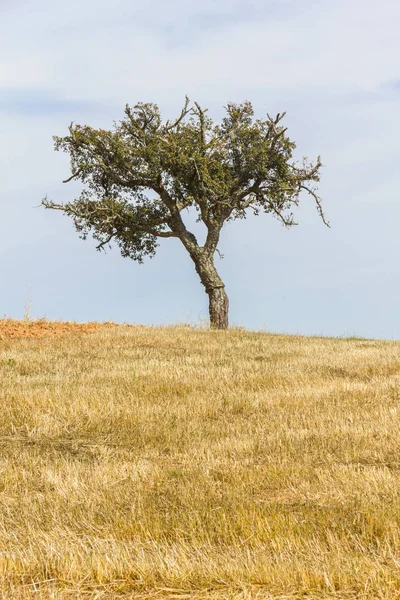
(333, 66)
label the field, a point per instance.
(176, 462)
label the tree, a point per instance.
(141, 175)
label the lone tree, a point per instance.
(141, 175)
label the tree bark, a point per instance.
(218, 308)
(215, 289)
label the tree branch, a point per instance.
(317, 201)
(200, 112)
(107, 241)
(69, 209)
(164, 234)
(304, 174)
(251, 190)
(212, 239)
(77, 174)
(288, 222)
(204, 211)
(183, 114)
(176, 223)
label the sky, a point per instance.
(332, 66)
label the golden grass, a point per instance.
(184, 463)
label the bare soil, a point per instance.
(10, 328)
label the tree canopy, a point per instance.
(139, 176)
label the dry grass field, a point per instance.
(183, 463)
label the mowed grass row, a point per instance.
(180, 462)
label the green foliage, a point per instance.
(140, 175)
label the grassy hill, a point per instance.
(175, 462)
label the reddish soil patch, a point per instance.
(38, 329)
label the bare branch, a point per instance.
(107, 241)
(183, 114)
(317, 202)
(288, 222)
(274, 122)
(77, 174)
(49, 204)
(304, 174)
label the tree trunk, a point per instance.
(215, 288)
(218, 308)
